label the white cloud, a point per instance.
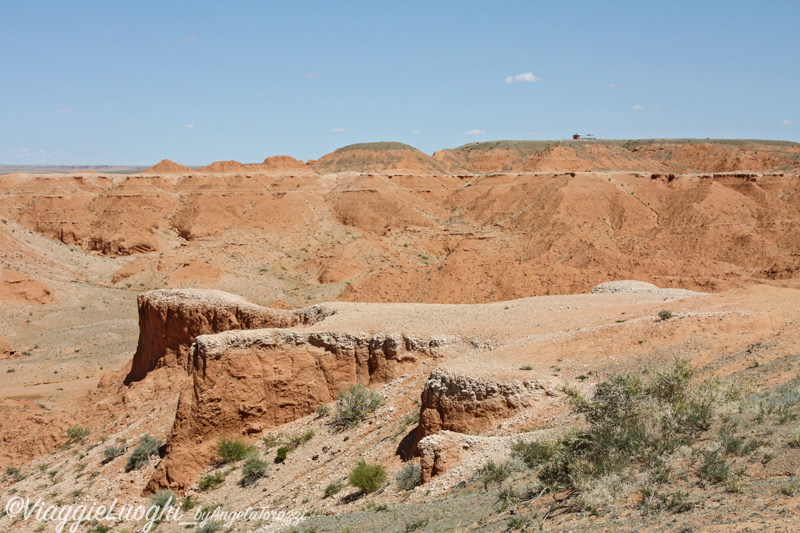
(415, 132)
(638, 107)
(189, 38)
(190, 126)
(64, 111)
(311, 76)
(525, 77)
(475, 131)
(787, 122)
(611, 86)
(338, 130)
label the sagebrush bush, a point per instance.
(367, 477)
(533, 454)
(665, 315)
(354, 404)
(493, 472)
(635, 420)
(112, 452)
(332, 489)
(410, 476)
(77, 433)
(148, 446)
(162, 498)
(234, 450)
(253, 470)
(211, 481)
(322, 411)
(209, 527)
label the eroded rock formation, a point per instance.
(469, 404)
(170, 320)
(5, 348)
(245, 382)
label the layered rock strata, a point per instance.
(472, 404)
(171, 320)
(245, 382)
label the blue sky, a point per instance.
(117, 82)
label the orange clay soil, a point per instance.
(459, 280)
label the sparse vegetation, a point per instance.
(635, 422)
(367, 477)
(210, 482)
(410, 476)
(112, 452)
(665, 315)
(354, 404)
(332, 489)
(493, 472)
(233, 450)
(209, 527)
(13, 473)
(253, 470)
(163, 498)
(148, 446)
(794, 440)
(322, 411)
(77, 433)
(281, 454)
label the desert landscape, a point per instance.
(578, 335)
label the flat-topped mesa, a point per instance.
(171, 320)
(246, 382)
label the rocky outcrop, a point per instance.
(5, 348)
(468, 404)
(438, 453)
(170, 320)
(245, 382)
(18, 289)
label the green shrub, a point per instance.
(322, 411)
(518, 522)
(493, 472)
(77, 433)
(234, 450)
(415, 525)
(148, 446)
(714, 468)
(634, 421)
(332, 489)
(209, 527)
(253, 470)
(367, 477)
(665, 315)
(410, 476)
(281, 454)
(112, 452)
(730, 443)
(533, 454)
(211, 481)
(270, 441)
(354, 404)
(13, 473)
(297, 441)
(162, 498)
